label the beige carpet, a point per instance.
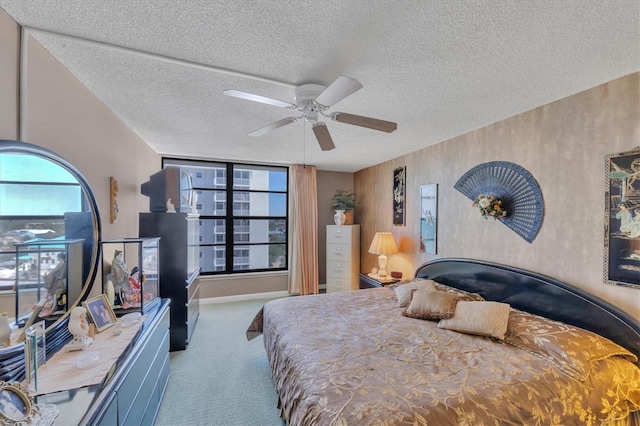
(221, 379)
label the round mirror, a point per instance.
(49, 233)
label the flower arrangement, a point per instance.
(489, 206)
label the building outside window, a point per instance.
(248, 234)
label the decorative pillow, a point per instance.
(569, 348)
(481, 318)
(403, 292)
(463, 295)
(431, 304)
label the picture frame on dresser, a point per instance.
(16, 404)
(100, 312)
(622, 219)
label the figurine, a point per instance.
(170, 207)
(120, 275)
(55, 282)
(132, 292)
(79, 328)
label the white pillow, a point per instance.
(403, 292)
(481, 318)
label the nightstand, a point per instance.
(367, 281)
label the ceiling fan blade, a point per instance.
(371, 123)
(323, 136)
(269, 127)
(342, 87)
(257, 98)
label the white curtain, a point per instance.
(303, 250)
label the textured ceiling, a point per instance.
(437, 68)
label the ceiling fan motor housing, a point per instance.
(306, 94)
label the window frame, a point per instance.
(230, 244)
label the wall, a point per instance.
(62, 115)
(563, 145)
(328, 184)
(9, 76)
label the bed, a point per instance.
(453, 353)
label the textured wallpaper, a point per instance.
(563, 145)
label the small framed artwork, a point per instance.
(100, 312)
(428, 218)
(622, 219)
(16, 406)
(399, 189)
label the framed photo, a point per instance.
(622, 219)
(16, 406)
(428, 218)
(100, 312)
(399, 189)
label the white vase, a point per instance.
(339, 218)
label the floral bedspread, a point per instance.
(353, 359)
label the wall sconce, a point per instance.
(383, 244)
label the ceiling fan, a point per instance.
(313, 100)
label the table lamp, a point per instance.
(383, 244)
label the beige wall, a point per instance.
(9, 72)
(62, 115)
(563, 145)
(328, 183)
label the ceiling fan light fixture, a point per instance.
(322, 135)
(358, 120)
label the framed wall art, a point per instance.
(399, 190)
(622, 219)
(429, 218)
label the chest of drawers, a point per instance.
(343, 257)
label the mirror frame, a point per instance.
(12, 366)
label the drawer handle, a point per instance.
(338, 254)
(338, 248)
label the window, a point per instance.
(249, 233)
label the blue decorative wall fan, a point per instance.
(515, 186)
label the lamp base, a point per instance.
(382, 266)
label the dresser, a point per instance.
(179, 268)
(132, 391)
(343, 257)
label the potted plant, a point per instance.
(344, 202)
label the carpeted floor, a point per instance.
(221, 379)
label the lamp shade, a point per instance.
(383, 243)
